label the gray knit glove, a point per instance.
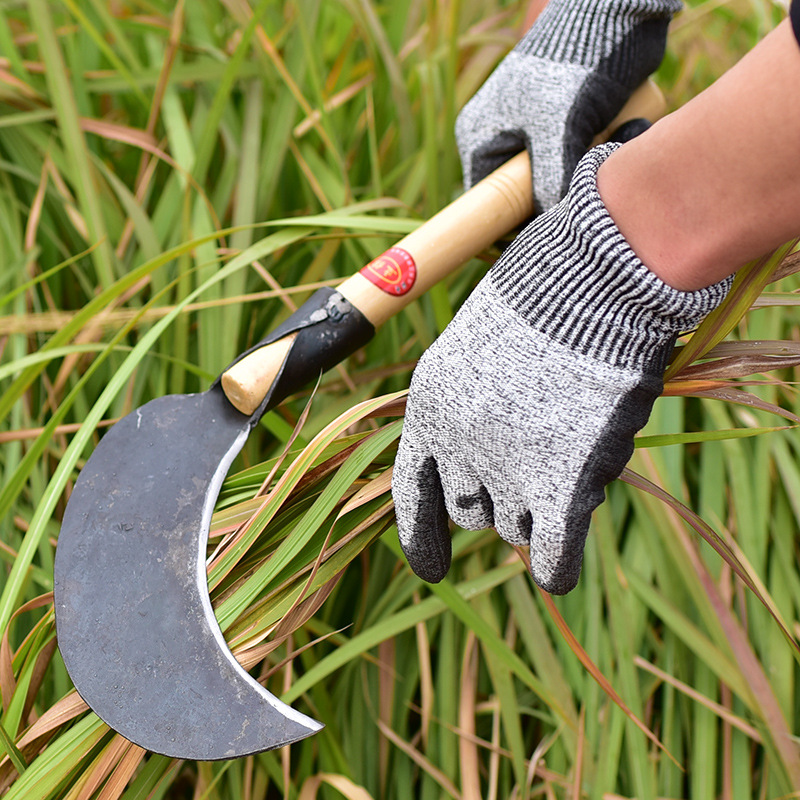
(526, 406)
(560, 86)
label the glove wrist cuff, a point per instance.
(574, 277)
(588, 32)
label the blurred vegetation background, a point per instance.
(175, 178)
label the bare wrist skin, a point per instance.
(716, 183)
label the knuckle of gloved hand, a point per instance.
(468, 127)
(606, 466)
(425, 394)
(560, 581)
(556, 560)
(483, 108)
(615, 445)
(471, 508)
(514, 526)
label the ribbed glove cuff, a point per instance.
(589, 31)
(590, 291)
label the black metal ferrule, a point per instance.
(329, 328)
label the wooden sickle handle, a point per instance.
(469, 225)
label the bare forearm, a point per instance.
(716, 183)
(535, 7)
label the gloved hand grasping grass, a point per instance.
(560, 86)
(526, 406)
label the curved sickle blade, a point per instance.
(134, 620)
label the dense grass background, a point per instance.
(163, 169)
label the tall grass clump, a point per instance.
(175, 179)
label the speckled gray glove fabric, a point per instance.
(563, 84)
(526, 406)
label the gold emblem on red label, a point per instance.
(394, 271)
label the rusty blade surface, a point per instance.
(134, 620)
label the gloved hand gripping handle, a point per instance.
(274, 368)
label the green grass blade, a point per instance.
(747, 286)
(57, 76)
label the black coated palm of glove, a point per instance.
(526, 406)
(563, 84)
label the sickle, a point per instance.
(134, 620)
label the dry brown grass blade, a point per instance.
(789, 266)
(748, 284)
(70, 206)
(536, 767)
(303, 609)
(396, 407)
(721, 711)
(146, 142)
(327, 467)
(342, 784)
(7, 681)
(677, 510)
(311, 177)
(147, 165)
(291, 620)
(35, 213)
(498, 752)
(122, 774)
(387, 680)
(773, 715)
(598, 676)
(369, 491)
(737, 367)
(241, 11)
(268, 673)
(25, 434)
(381, 513)
(114, 318)
(339, 99)
(747, 347)
(58, 715)
(39, 671)
(426, 683)
(167, 62)
(681, 388)
(731, 395)
(63, 712)
(469, 763)
(93, 777)
(420, 760)
(24, 89)
(763, 697)
(578, 768)
(229, 541)
(251, 656)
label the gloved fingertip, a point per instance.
(428, 569)
(513, 523)
(557, 555)
(422, 521)
(558, 583)
(427, 547)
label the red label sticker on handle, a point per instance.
(394, 272)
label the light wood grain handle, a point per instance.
(473, 222)
(247, 382)
(468, 226)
